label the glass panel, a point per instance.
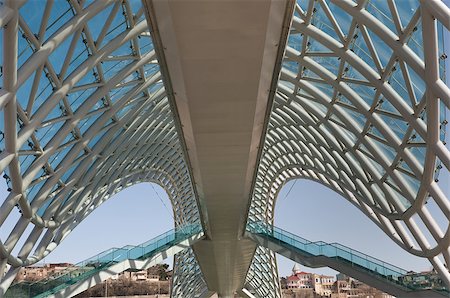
(336, 251)
(103, 260)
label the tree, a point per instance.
(160, 270)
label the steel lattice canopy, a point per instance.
(96, 96)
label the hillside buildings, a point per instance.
(299, 284)
(321, 284)
(305, 284)
(37, 273)
(346, 287)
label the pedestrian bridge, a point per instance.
(374, 272)
(221, 103)
(90, 272)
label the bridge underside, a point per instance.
(222, 103)
(220, 58)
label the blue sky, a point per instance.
(317, 213)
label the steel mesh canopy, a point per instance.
(86, 116)
(360, 107)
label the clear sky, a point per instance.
(309, 210)
(317, 213)
(133, 216)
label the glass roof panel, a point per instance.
(400, 94)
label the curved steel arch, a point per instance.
(362, 110)
(360, 107)
(81, 94)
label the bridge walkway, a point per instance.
(88, 273)
(374, 272)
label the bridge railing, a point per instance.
(371, 265)
(90, 266)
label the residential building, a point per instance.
(300, 279)
(323, 284)
(347, 287)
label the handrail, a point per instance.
(369, 264)
(92, 265)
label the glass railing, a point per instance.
(370, 265)
(89, 267)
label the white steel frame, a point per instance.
(312, 133)
(135, 138)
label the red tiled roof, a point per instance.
(292, 278)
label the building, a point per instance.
(134, 275)
(35, 273)
(221, 103)
(320, 284)
(56, 269)
(53, 270)
(141, 275)
(32, 273)
(323, 284)
(327, 286)
(300, 279)
(347, 287)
